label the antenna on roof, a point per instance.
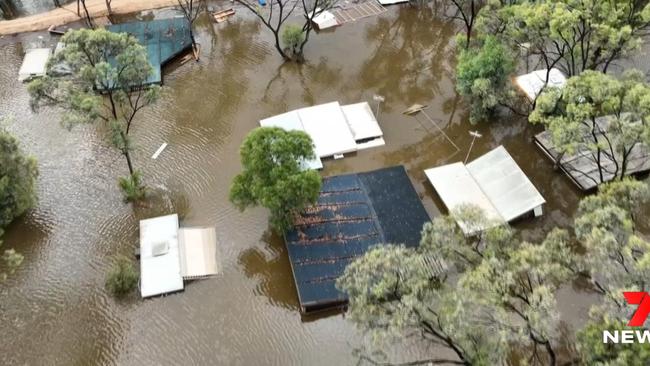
(475, 135)
(378, 98)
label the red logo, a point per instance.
(641, 314)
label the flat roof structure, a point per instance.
(164, 40)
(582, 167)
(160, 268)
(353, 213)
(493, 182)
(198, 254)
(34, 63)
(533, 83)
(169, 255)
(334, 129)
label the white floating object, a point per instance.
(160, 150)
(338, 156)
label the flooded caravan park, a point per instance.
(55, 310)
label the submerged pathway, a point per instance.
(68, 14)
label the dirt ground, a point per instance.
(68, 14)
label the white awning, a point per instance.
(198, 248)
(160, 270)
(533, 83)
(34, 63)
(493, 182)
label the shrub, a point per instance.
(122, 278)
(292, 37)
(132, 187)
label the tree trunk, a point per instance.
(9, 9)
(89, 20)
(126, 153)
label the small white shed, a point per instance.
(493, 182)
(34, 63)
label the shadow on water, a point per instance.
(270, 267)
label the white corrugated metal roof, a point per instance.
(325, 19)
(159, 274)
(533, 83)
(333, 128)
(457, 187)
(505, 184)
(291, 121)
(34, 63)
(198, 248)
(494, 182)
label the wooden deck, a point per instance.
(350, 13)
(582, 167)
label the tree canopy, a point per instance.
(600, 114)
(99, 76)
(18, 174)
(483, 74)
(501, 299)
(273, 176)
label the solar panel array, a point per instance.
(353, 213)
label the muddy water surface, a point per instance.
(55, 310)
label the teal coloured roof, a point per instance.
(164, 39)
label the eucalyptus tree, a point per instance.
(572, 35)
(107, 82)
(273, 175)
(502, 301)
(275, 14)
(598, 114)
(191, 10)
(18, 173)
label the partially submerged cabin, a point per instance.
(493, 182)
(583, 168)
(532, 84)
(335, 129)
(353, 213)
(169, 255)
(34, 64)
(164, 39)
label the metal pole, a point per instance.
(475, 135)
(440, 129)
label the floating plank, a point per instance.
(160, 150)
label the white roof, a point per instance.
(159, 274)
(327, 126)
(389, 2)
(493, 182)
(333, 128)
(198, 252)
(457, 187)
(291, 121)
(533, 83)
(34, 63)
(505, 184)
(325, 20)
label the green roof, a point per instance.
(164, 39)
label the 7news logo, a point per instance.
(642, 299)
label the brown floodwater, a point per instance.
(55, 311)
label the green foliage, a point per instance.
(292, 37)
(132, 187)
(482, 74)
(18, 175)
(594, 352)
(503, 299)
(573, 35)
(122, 277)
(272, 176)
(113, 63)
(617, 254)
(572, 116)
(11, 259)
